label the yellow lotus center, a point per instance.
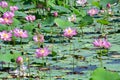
(39, 37)
(5, 35)
(21, 33)
(42, 51)
(6, 19)
(69, 31)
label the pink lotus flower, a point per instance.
(42, 52)
(81, 2)
(20, 33)
(98, 43)
(70, 32)
(108, 5)
(38, 38)
(93, 11)
(1, 21)
(5, 36)
(7, 21)
(3, 4)
(19, 60)
(30, 18)
(106, 44)
(7, 18)
(72, 18)
(55, 14)
(13, 8)
(8, 15)
(102, 43)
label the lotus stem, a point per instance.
(100, 58)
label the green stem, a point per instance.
(100, 59)
(82, 32)
(101, 64)
(50, 72)
(13, 40)
(46, 3)
(73, 64)
(72, 55)
(74, 3)
(2, 65)
(70, 46)
(8, 66)
(5, 49)
(43, 67)
(49, 69)
(21, 42)
(73, 58)
(39, 73)
(39, 45)
(78, 37)
(29, 66)
(19, 73)
(101, 30)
